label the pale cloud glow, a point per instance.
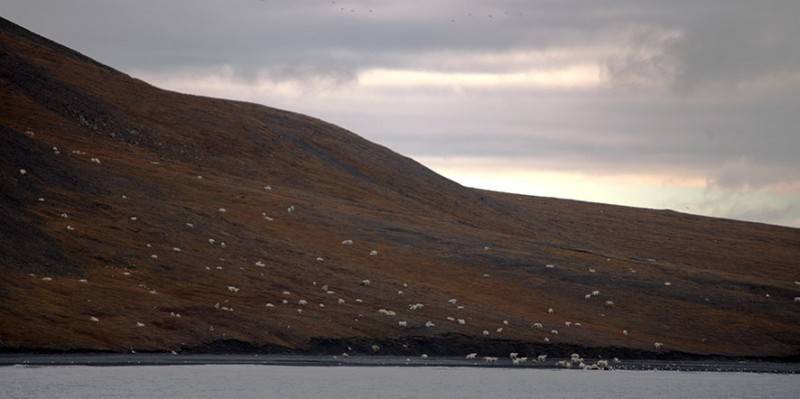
(644, 190)
(574, 76)
(691, 194)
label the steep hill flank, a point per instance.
(113, 238)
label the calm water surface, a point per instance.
(250, 381)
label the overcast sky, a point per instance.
(688, 105)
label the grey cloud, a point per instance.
(598, 129)
(746, 205)
(647, 61)
(747, 175)
(721, 40)
(254, 34)
(719, 43)
(739, 44)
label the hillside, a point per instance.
(138, 218)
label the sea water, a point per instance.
(266, 382)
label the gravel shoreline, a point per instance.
(167, 359)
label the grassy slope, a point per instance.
(431, 235)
